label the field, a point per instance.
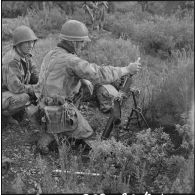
(159, 159)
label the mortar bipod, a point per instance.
(137, 110)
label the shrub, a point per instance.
(80, 15)
(161, 98)
(46, 21)
(111, 7)
(167, 93)
(112, 52)
(124, 7)
(146, 164)
(8, 26)
(157, 34)
(42, 47)
(13, 9)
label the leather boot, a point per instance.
(12, 121)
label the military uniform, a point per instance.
(60, 76)
(105, 95)
(59, 81)
(18, 76)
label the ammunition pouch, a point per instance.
(61, 118)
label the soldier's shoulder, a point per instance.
(10, 57)
(63, 54)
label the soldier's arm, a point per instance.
(96, 74)
(13, 78)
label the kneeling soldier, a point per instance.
(19, 74)
(61, 72)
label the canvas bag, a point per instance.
(105, 95)
(67, 119)
(61, 118)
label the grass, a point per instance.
(142, 163)
(42, 47)
(158, 79)
(8, 26)
(143, 166)
(47, 21)
(157, 35)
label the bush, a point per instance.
(46, 21)
(162, 99)
(42, 47)
(80, 15)
(124, 7)
(157, 34)
(13, 9)
(168, 93)
(9, 25)
(112, 52)
(147, 164)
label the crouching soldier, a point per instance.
(61, 71)
(19, 74)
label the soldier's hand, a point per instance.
(29, 89)
(134, 67)
(89, 85)
(31, 93)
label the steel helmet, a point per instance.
(23, 34)
(74, 30)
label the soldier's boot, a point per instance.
(45, 143)
(15, 118)
(32, 112)
(20, 115)
(10, 120)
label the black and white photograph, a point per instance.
(97, 97)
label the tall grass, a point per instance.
(166, 86)
(156, 34)
(172, 92)
(166, 95)
(9, 25)
(113, 52)
(47, 21)
(42, 47)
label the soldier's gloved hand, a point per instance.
(89, 85)
(31, 93)
(134, 67)
(29, 89)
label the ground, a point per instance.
(25, 173)
(26, 170)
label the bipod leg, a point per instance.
(143, 118)
(129, 120)
(137, 117)
(135, 109)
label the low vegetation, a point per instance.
(157, 160)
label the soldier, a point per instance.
(19, 74)
(61, 72)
